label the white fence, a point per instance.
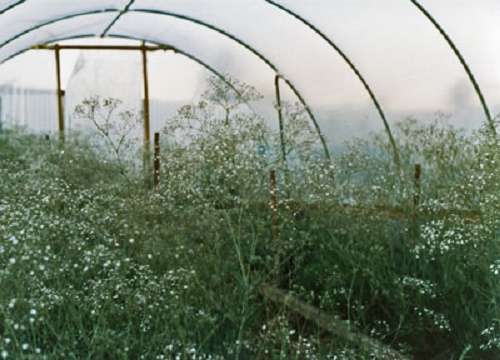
(33, 109)
(36, 110)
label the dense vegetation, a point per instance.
(94, 264)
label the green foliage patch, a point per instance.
(94, 264)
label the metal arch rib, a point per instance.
(53, 21)
(353, 68)
(12, 6)
(113, 22)
(462, 61)
(256, 53)
(81, 36)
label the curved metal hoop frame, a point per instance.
(211, 27)
(240, 42)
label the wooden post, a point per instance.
(1, 115)
(282, 134)
(156, 178)
(59, 93)
(416, 186)
(146, 107)
(274, 219)
(146, 94)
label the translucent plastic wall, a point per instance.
(359, 66)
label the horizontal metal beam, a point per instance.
(104, 47)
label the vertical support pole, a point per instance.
(416, 186)
(156, 177)
(59, 93)
(1, 115)
(274, 219)
(280, 117)
(282, 133)
(146, 106)
(415, 228)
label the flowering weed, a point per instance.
(94, 265)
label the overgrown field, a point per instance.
(95, 264)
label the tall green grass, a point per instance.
(93, 264)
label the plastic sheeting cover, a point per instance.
(104, 77)
(403, 58)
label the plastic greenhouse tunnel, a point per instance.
(307, 179)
